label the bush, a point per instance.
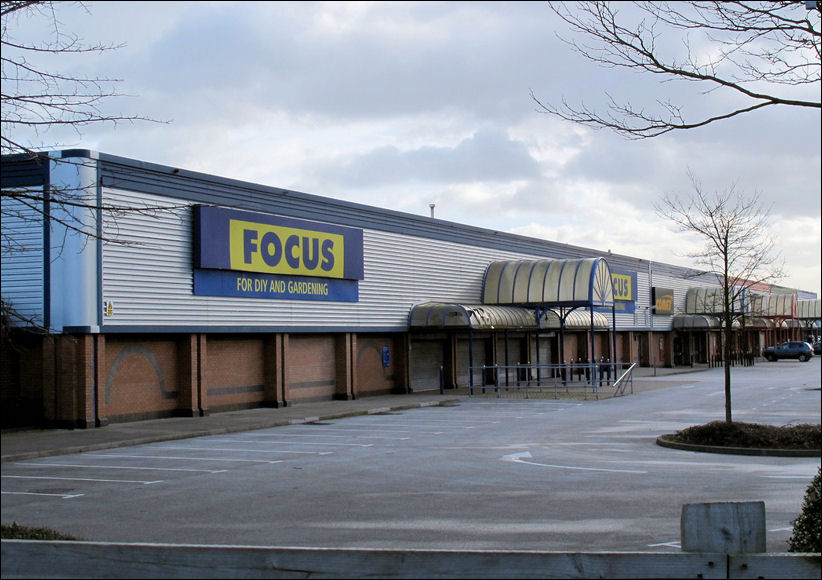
(15, 531)
(807, 528)
(736, 434)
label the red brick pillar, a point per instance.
(273, 370)
(190, 352)
(202, 380)
(100, 415)
(284, 375)
(74, 374)
(345, 346)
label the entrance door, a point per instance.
(427, 356)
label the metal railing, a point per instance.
(525, 380)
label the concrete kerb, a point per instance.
(666, 441)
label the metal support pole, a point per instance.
(470, 361)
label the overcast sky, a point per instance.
(401, 105)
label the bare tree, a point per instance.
(765, 52)
(737, 249)
(36, 102)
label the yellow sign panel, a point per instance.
(623, 286)
(270, 249)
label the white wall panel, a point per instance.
(147, 276)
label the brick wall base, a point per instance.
(91, 380)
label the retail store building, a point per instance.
(198, 294)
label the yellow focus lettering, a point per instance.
(256, 247)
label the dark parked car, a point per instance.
(789, 349)
(817, 347)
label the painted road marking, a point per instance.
(188, 458)
(270, 450)
(60, 495)
(368, 427)
(324, 433)
(82, 479)
(119, 467)
(674, 544)
(518, 458)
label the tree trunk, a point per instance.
(726, 354)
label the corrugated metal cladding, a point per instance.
(23, 267)
(147, 277)
(169, 182)
(24, 171)
(408, 259)
(552, 282)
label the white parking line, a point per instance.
(517, 458)
(60, 495)
(189, 458)
(448, 422)
(119, 467)
(82, 479)
(369, 426)
(324, 433)
(675, 544)
(270, 450)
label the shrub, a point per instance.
(15, 531)
(807, 527)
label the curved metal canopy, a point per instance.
(781, 306)
(584, 282)
(755, 322)
(477, 316)
(808, 309)
(694, 321)
(708, 322)
(704, 301)
(488, 317)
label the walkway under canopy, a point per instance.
(531, 295)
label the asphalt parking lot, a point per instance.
(477, 473)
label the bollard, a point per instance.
(726, 527)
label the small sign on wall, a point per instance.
(663, 300)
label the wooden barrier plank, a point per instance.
(41, 559)
(774, 565)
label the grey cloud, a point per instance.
(489, 155)
(459, 57)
